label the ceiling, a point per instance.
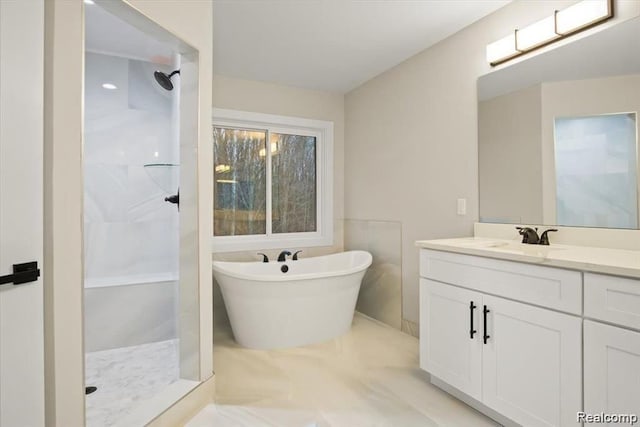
(109, 34)
(332, 45)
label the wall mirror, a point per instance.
(558, 134)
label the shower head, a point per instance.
(164, 80)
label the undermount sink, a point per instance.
(485, 244)
(510, 246)
(524, 248)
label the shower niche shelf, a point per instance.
(165, 175)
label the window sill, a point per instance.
(248, 243)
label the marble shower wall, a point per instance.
(123, 316)
(381, 291)
(131, 233)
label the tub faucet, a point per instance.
(283, 256)
(529, 235)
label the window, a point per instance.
(272, 181)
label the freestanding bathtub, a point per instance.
(313, 301)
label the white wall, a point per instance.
(411, 136)
(62, 267)
(510, 157)
(259, 97)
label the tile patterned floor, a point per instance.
(368, 377)
(125, 377)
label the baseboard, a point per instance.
(411, 328)
(478, 406)
(187, 407)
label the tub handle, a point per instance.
(265, 258)
(295, 256)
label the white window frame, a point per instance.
(323, 132)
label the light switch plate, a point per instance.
(462, 206)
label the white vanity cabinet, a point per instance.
(449, 348)
(611, 353)
(531, 364)
(524, 362)
(611, 369)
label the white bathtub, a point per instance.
(312, 302)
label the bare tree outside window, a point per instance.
(239, 182)
(293, 183)
(240, 161)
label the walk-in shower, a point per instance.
(132, 274)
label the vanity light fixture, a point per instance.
(109, 86)
(562, 23)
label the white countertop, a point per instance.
(617, 262)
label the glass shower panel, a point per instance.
(596, 171)
(130, 238)
(134, 287)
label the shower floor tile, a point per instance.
(367, 377)
(125, 377)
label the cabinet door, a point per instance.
(611, 369)
(532, 361)
(447, 350)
